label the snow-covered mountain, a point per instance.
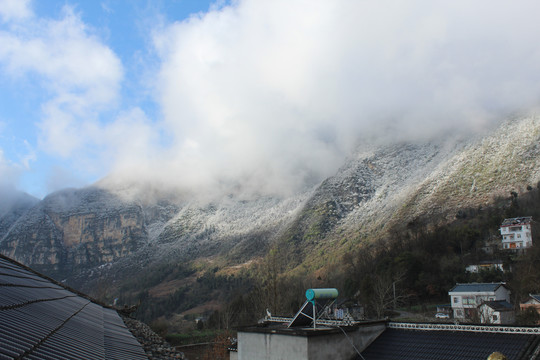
(79, 230)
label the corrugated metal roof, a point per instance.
(477, 287)
(40, 319)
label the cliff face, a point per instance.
(71, 229)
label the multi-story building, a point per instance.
(517, 233)
(465, 298)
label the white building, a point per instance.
(496, 312)
(465, 298)
(516, 233)
(485, 265)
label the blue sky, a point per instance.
(125, 28)
(260, 95)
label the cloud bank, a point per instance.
(268, 96)
(280, 91)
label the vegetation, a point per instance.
(417, 264)
(413, 268)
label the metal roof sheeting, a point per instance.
(40, 319)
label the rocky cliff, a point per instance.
(74, 229)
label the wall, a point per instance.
(323, 346)
(262, 346)
(337, 346)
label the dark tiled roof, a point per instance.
(499, 305)
(535, 297)
(404, 344)
(40, 319)
(477, 287)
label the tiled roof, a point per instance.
(499, 305)
(40, 319)
(476, 287)
(535, 297)
(405, 344)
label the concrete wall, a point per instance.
(335, 346)
(261, 346)
(338, 346)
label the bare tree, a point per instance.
(385, 294)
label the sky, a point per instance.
(262, 95)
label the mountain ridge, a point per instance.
(80, 233)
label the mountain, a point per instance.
(83, 233)
(13, 205)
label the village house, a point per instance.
(466, 298)
(485, 265)
(496, 312)
(532, 302)
(516, 233)
(314, 334)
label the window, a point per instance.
(456, 299)
(469, 300)
(495, 317)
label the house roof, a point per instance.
(499, 305)
(517, 221)
(535, 297)
(477, 287)
(41, 319)
(405, 344)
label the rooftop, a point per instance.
(499, 305)
(41, 319)
(517, 221)
(448, 342)
(477, 287)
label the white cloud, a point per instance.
(278, 91)
(9, 173)
(14, 10)
(80, 73)
(275, 94)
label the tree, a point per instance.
(385, 293)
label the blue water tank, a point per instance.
(321, 294)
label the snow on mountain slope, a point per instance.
(378, 186)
